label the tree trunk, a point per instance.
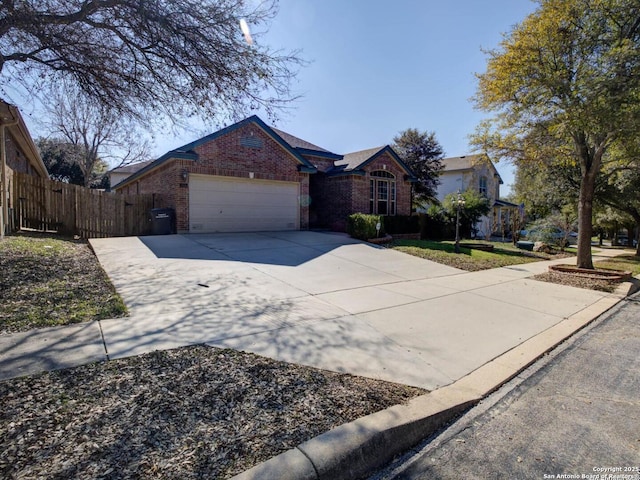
(635, 234)
(585, 227)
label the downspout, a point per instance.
(4, 220)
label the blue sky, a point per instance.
(378, 67)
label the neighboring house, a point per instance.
(252, 177)
(18, 153)
(477, 172)
(117, 175)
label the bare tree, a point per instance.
(101, 135)
(142, 58)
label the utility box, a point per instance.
(163, 221)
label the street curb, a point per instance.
(354, 449)
(359, 448)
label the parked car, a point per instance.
(551, 235)
(624, 240)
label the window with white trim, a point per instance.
(482, 186)
(382, 193)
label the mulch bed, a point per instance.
(192, 412)
(592, 273)
(578, 281)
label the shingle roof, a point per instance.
(353, 160)
(468, 162)
(132, 168)
(296, 142)
(460, 163)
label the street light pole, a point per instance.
(459, 203)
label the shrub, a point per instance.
(435, 225)
(401, 224)
(363, 226)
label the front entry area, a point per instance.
(230, 204)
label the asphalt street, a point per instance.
(573, 414)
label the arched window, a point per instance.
(382, 193)
(482, 186)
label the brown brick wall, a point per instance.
(331, 201)
(228, 156)
(335, 198)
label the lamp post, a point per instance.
(459, 202)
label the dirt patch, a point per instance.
(192, 412)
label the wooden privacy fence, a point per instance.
(48, 205)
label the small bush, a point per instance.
(363, 226)
(399, 224)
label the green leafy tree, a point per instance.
(475, 207)
(63, 160)
(622, 193)
(141, 58)
(422, 153)
(545, 187)
(565, 84)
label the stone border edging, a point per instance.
(381, 240)
(596, 273)
(358, 448)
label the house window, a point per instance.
(483, 186)
(382, 193)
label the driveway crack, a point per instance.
(104, 343)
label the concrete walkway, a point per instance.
(317, 299)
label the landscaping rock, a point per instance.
(542, 247)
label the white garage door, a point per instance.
(227, 204)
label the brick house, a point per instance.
(252, 177)
(19, 154)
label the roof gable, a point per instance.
(356, 161)
(469, 162)
(271, 132)
(186, 152)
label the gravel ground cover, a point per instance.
(192, 412)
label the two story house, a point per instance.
(477, 172)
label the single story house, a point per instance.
(253, 177)
(477, 172)
(18, 153)
(118, 174)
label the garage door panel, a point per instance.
(224, 204)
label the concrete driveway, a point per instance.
(327, 301)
